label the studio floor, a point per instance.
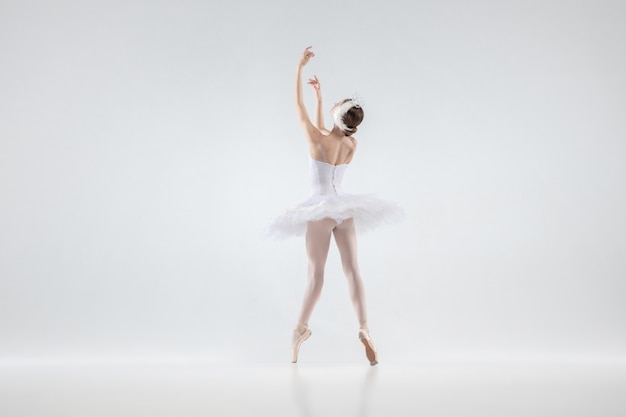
(195, 388)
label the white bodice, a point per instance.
(326, 178)
(328, 201)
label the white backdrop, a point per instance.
(145, 143)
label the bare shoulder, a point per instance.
(314, 136)
(351, 145)
(353, 142)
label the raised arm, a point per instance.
(311, 131)
(319, 113)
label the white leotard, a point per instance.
(328, 200)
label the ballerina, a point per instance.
(329, 211)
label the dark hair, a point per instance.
(352, 119)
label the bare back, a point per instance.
(332, 149)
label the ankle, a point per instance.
(301, 327)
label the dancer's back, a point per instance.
(332, 149)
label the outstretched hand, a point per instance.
(306, 56)
(315, 83)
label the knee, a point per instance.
(316, 274)
(352, 272)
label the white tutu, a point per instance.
(329, 202)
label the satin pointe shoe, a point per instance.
(299, 336)
(370, 350)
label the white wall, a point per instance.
(144, 144)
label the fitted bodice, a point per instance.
(328, 201)
(326, 178)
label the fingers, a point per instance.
(314, 84)
(306, 56)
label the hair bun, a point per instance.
(350, 131)
(348, 116)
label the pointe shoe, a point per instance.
(370, 350)
(297, 341)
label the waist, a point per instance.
(326, 189)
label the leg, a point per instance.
(345, 237)
(317, 244)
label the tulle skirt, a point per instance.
(367, 210)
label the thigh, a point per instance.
(318, 239)
(345, 237)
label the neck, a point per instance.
(337, 131)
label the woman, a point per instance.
(329, 211)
